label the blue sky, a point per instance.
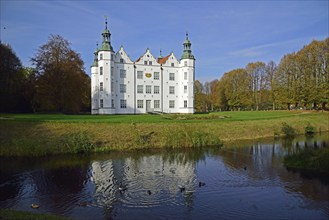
(225, 35)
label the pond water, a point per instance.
(243, 181)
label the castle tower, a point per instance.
(94, 83)
(102, 70)
(187, 76)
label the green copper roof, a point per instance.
(186, 55)
(96, 56)
(106, 31)
(106, 46)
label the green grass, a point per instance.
(147, 118)
(47, 134)
(13, 214)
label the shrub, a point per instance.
(288, 130)
(309, 129)
(79, 142)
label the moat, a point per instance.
(244, 181)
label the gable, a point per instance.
(121, 55)
(147, 59)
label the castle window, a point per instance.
(139, 74)
(185, 63)
(156, 103)
(112, 103)
(156, 76)
(140, 103)
(171, 103)
(185, 103)
(121, 60)
(122, 73)
(150, 63)
(185, 89)
(100, 86)
(101, 103)
(148, 89)
(123, 103)
(139, 88)
(145, 62)
(156, 89)
(172, 76)
(122, 88)
(112, 71)
(185, 75)
(172, 64)
(101, 56)
(101, 70)
(171, 89)
(112, 86)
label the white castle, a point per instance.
(122, 86)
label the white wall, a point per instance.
(131, 96)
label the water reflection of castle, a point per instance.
(149, 174)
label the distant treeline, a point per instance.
(299, 81)
(58, 83)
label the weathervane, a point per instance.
(105, 19)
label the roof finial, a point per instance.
(186, 34)
(105, 22)
(160, 56)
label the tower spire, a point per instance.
(160, 56)
(96, 55)
(187, 53)
(106, 43)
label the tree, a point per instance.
(302, 78)
(29, 88)
(271, 69)
(214, 94)
(257, 75)
(201, 99)
(235, 89)
(10, 80)
(62, 84)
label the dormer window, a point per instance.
(172, 64)
(121, 60)
(150, 63)
(145, 62)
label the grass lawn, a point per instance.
(44, 134)
(166, 118)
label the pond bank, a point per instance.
(32, 137)
(14, 214)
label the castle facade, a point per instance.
(149, 84)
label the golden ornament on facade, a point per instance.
(148, 75)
